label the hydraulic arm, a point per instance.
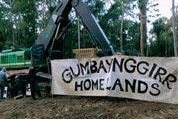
(59, 23)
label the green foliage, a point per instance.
(22, 21)
(20, 26)
(163, 44)
(3, 22)
(159, 26)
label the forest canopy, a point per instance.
(23, 20)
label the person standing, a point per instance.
(3, 80)
(34, 84)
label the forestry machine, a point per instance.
(49, 44)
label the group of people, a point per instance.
(32, 79)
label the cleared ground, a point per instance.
(69, 107)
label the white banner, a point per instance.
(142, 78)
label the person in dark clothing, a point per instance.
(3, 80)
(34, 84)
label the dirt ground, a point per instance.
(70, 107)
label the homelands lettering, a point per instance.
(134, 86)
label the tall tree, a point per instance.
(2, 31)
(163, 42)
(142, 4)
(118, 26)
(174, 29)
(29, 15)
(6, 29)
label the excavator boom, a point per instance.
(59, 23)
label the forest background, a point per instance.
(21, 21)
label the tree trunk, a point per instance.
(143, 29)
(121, 28)
(174, 30)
